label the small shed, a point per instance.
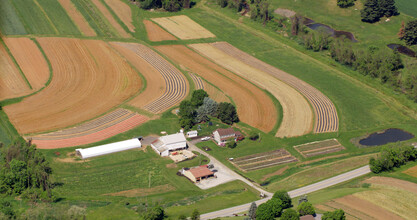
(192, 134)
(196, 174)
(108, 148)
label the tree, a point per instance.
(231, 145)
(410, 33)
(335, 215)
(387, 8)
(345, 3)
(265, 212)
(254, 136)
(195, 215)
(276, 206)
(222, 3)
(252, 211)
(171, 5)
(284, 197)
(182, 217)
(306, 208)
(226, 112)
(156, 213)
(371, 11)
(290, 214)
(197, 97)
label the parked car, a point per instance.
(205, 138)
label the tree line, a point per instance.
(169, 5)
(391, 157)
(374, 10)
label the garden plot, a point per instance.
(263, 160)
(319, 148)
(183, 27)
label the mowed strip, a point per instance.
(12, 84)
(89, 79)
(183, 27)
(325, 112)
(110, 18)
(30, 60)
(122, 11)
(78, 19)
(176, 85)
(254, 107)
(156, 33)
(297, 115)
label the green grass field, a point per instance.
(59, 17)
(10, 23)
(408, 7)
(7, 132)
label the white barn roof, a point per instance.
(173, 138)
(109, 148)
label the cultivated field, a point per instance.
(10, 22)
(297, 115)
(12, 84)
(77, 18)
(110, 18)
(325, 111)
(30, 60)
(213, 92)
(198, 82)
(253, 105)
(89, 79)
(175, 83)
(156, 33)
(263, 160)
(319, 148)
(412, 171)
(57, 16)
(116, 122)
(123, 12)
(183, 27)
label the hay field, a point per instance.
(78, 19)
(122, 11)
(156, 33)
(254, 107)
(12, 83)
(325, 112)
(89, 79)
(10, 22)
(30, 60)
(183, 27)
(111, 19)
(297, 115)
(412, 171)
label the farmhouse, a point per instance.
(108, 148)
(196, 174)
(192, 134)
(222, 135)
(165, 144)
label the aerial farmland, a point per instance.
(316, 93)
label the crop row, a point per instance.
(268, 163)
(280, 152)
(319, 144)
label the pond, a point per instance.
(402, 49)
(334, 33)
(385, 137)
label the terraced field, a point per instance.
(156, 33)
(325, 112)
(263, 160)
(175, 84)
(89, 79)
(253, 105)
(319, 148)
(118, 121)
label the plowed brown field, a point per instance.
(155, 83)
(78, 19)
(253, 105)
(183, 27)
(215, 93)
(30, 60)
(297, 115)
(156, 33)
(89, 79)
(12, 84)
(110, 18)
(122, 11)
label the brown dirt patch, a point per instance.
(284, 12)
(297, 115)
(156, 33)
(30, 60)
(110, 18)
(278, 172)
(77, 18)
(122, 11)
(143, 191)
(183, 27)
(409, 186)
(172, 165)
(253, 105)
(89, 80)
(12, 84)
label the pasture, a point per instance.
(319, 148)
(10, 22)
(407, 7)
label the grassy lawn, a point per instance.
(408, 7)
(10, 22)
(7, 132)
(59, 17)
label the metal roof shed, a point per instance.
(109, 148)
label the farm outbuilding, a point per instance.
(196, 174)
(192, 134)
(108, 148)
(168, 143)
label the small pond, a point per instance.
(402, 49)
(334, 33)
(388, 136)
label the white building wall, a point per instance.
(109, 148)
(216, 136)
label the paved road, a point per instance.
(294, 193)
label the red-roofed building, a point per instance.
(196, 174)
(222, 135)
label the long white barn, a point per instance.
(108, 148)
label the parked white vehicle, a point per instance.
(205, 138)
